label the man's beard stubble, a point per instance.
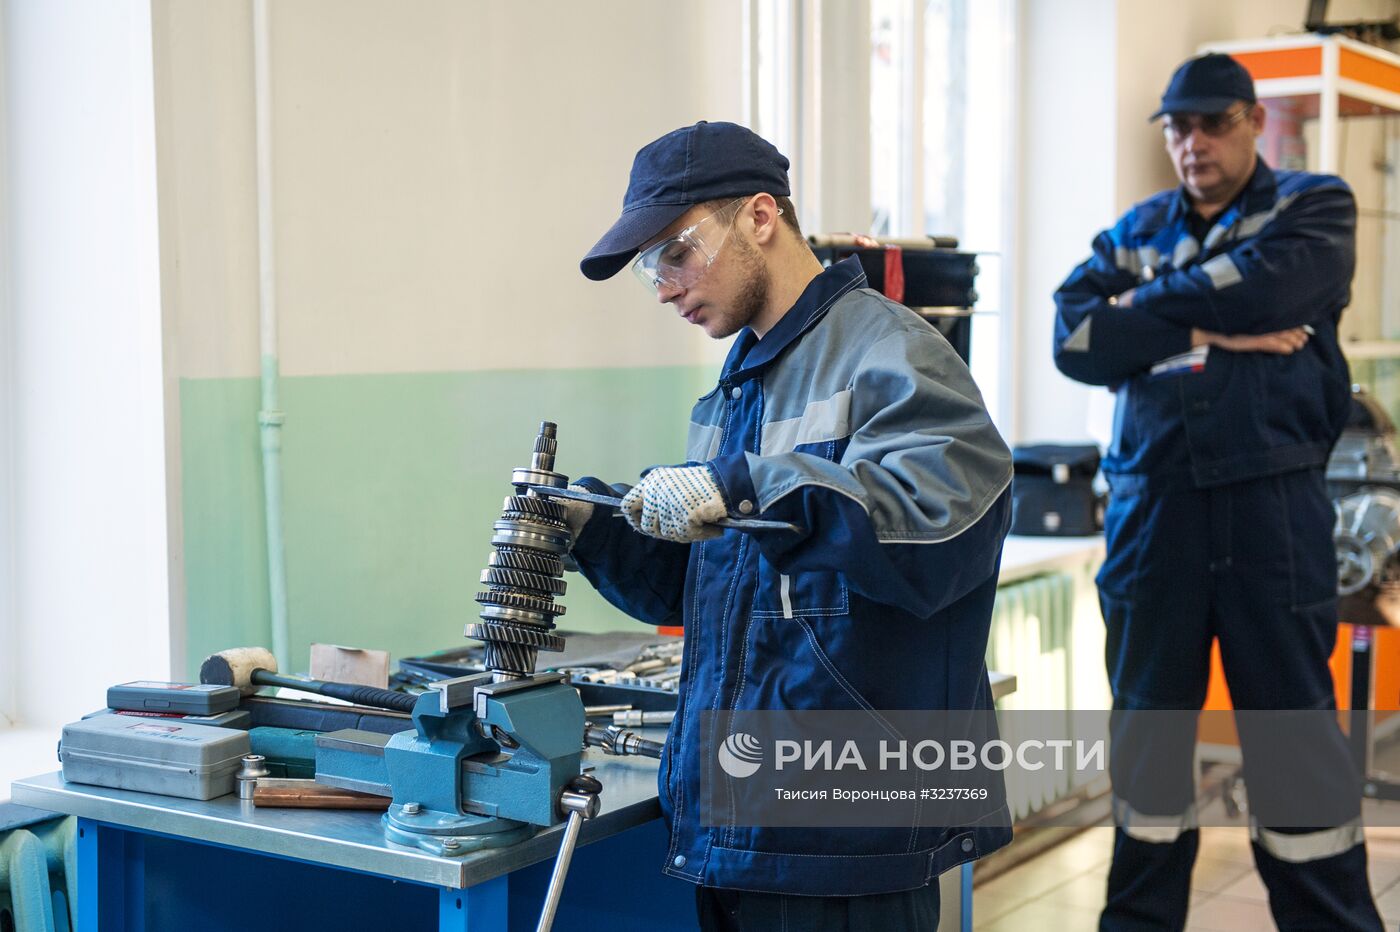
(753, 294)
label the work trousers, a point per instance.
(744, 911)
(1251, 564)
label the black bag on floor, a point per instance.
(1052, 492)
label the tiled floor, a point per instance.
(1063, 889)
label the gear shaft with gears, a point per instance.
(526, 569)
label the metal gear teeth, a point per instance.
(505, 632)
(511, 658)
(531, 561)
(534, 505)
(533, 524)
(530, 520)
(531, 603)
(498, 578)
(526, 568)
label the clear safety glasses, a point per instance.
(679, 261)
(1177, 126)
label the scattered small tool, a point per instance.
(592, 710)
(614, 740)
(252, 768)
(251, 667)
(637, 717)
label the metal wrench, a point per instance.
(742, 524)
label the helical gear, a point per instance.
(533, 505)
(511, 598)
(525, 570)
(532, 561)
(502, 578)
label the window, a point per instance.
(941, 82)
(919, 144)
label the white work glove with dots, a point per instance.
(679, 503)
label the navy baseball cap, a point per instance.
(695, 164)
(1206, 84)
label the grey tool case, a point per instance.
(162, 756)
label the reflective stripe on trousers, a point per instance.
(1299, 848)
(1153, 829)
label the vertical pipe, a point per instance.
(270, 415)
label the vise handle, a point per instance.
(580, 800)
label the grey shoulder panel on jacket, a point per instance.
(866, 316)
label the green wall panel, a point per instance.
(390, 485)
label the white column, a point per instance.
(91, 579)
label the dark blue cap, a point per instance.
(1206, 84)
(704, 162)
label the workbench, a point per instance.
(165, 863)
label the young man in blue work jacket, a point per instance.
(1211, 310)
(846, 414)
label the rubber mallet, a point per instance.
(251, 667)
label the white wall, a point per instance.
(439, 170)
(90, 585)
(1066, 187)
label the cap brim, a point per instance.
(620, 244)
(1195, 105)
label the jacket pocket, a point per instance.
(812, 664)
(799, 595)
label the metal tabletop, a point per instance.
(355, 840)
(352, 840)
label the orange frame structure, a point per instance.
(1337, 77)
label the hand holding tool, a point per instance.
(573, 493)
(678, 503)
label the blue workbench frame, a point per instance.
(133, 879)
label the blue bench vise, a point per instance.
(485, 763)
(494, 755)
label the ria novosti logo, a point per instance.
(740, 755)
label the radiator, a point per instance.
(1048, 632)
